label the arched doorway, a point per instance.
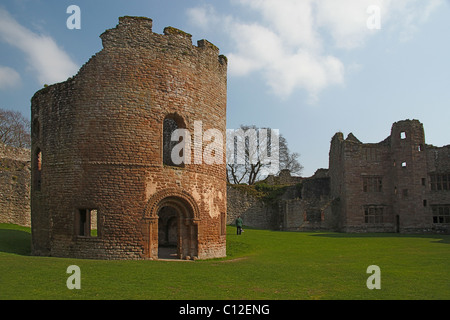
(172, 226)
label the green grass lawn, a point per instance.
(261, 264)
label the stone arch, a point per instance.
(170, 195)
(187, 215)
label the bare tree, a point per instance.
(14, 129)
(237, 170)
(289, 160)
(253, 153)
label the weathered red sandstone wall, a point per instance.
(392, 179)
(101, 138)
(15, 177)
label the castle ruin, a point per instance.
(103, 183)
(104, 186)
(400, 185)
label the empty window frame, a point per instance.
(441, 213)
(403, 135)
(170, 124)
(38, 170)
(86, 222)
(440, 182)
(373, 214)
(372, 184)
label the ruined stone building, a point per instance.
(300, 204)
(398, 185)
(103, 183)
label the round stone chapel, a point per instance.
(107, 180)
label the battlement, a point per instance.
(408, 131)
(171, 31)
(137, 32)
(103, 137)
(128, 20)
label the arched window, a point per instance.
(37, 169)
(171, 123)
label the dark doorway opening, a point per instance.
(173, 230)
(168, 218)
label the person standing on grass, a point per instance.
(239, 225)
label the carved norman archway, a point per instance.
(187, 215)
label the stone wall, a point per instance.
(253, 210)
(352, 163)
(15, 177)
(305, 206)
(309, 206)
(98, 145)
(387, 186)
(283, 178)
(400, 184)
(437, 197)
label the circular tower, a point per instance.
(128, 161)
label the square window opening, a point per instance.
(87, 223)
(441, 213)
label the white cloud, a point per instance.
(346, 20)
(9, 78)
(286, 44)
(291, 20)
(202, 17)
(305, 70)
(50, 63)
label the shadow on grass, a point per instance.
(15, 241)
(437, 238)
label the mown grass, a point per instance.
(261, 264)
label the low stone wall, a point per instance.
(253, 211)
(306, 206)
(15, 177)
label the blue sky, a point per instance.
(306, 67)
